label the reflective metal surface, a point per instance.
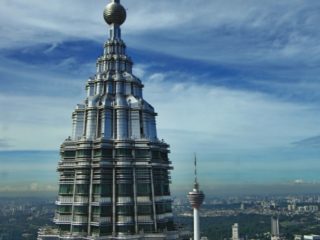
(114, 13)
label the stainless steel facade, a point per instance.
(114, 171)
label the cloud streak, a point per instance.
(243, 117)
(308, 142)
(4, 143)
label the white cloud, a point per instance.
(217, 116)
(26, 187)
(298, 181)
(231, 31)
(34, 122)
(34, 22)
(34, 186)
(228, 117)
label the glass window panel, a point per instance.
(170, 226)
(123, 152)
(80, 229)
(166, 190)
(168, 207)
(64, 228)
(146, 228)
(106, 230)
(160, 208)
(162, 226)
(95, 230)
(144, 209)
(68, 154)
(107, 153)
(97, 153)
(164, 156)
(82, 188)
(125, 189)
(81, 209)
(125, 229)
(141, 153)
(158, 189)
(106, 211)
(64, 209)
(84, 153)
(96, 188)
(143, 189)
(106, 190)
(66, 189)
(95, 210)
(126, 210)
(155, 154)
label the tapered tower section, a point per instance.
(114, 171)
(196, 198)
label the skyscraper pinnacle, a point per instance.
(115, 13)
(114, 171)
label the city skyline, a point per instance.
(248, 78)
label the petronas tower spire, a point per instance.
(114, 171)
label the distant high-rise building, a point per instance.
(196, 198)
(291, 207)
(311, 237)
(298, 237)
(235, 231)
(114, 170)
(275, 232)
(242, 206)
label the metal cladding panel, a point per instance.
(107, 124)
(78, 118)
(91, 123)
(135, 124)
(122, 124)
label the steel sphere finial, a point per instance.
(114, 13)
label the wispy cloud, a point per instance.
(255, 32)
(236, 117)
(308, 142)
(266, 43)
(4, 143)
(35, 119)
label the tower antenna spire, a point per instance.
(195, 168)
(115, 15)
(196, 184)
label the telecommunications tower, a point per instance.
(196, 198)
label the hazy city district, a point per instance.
(20, 218)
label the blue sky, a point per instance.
(235, 81)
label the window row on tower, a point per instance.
(105, 85)
(113, 123)
(124, 229)
(122, 189)
(108, 153)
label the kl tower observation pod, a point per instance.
(196, 198)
